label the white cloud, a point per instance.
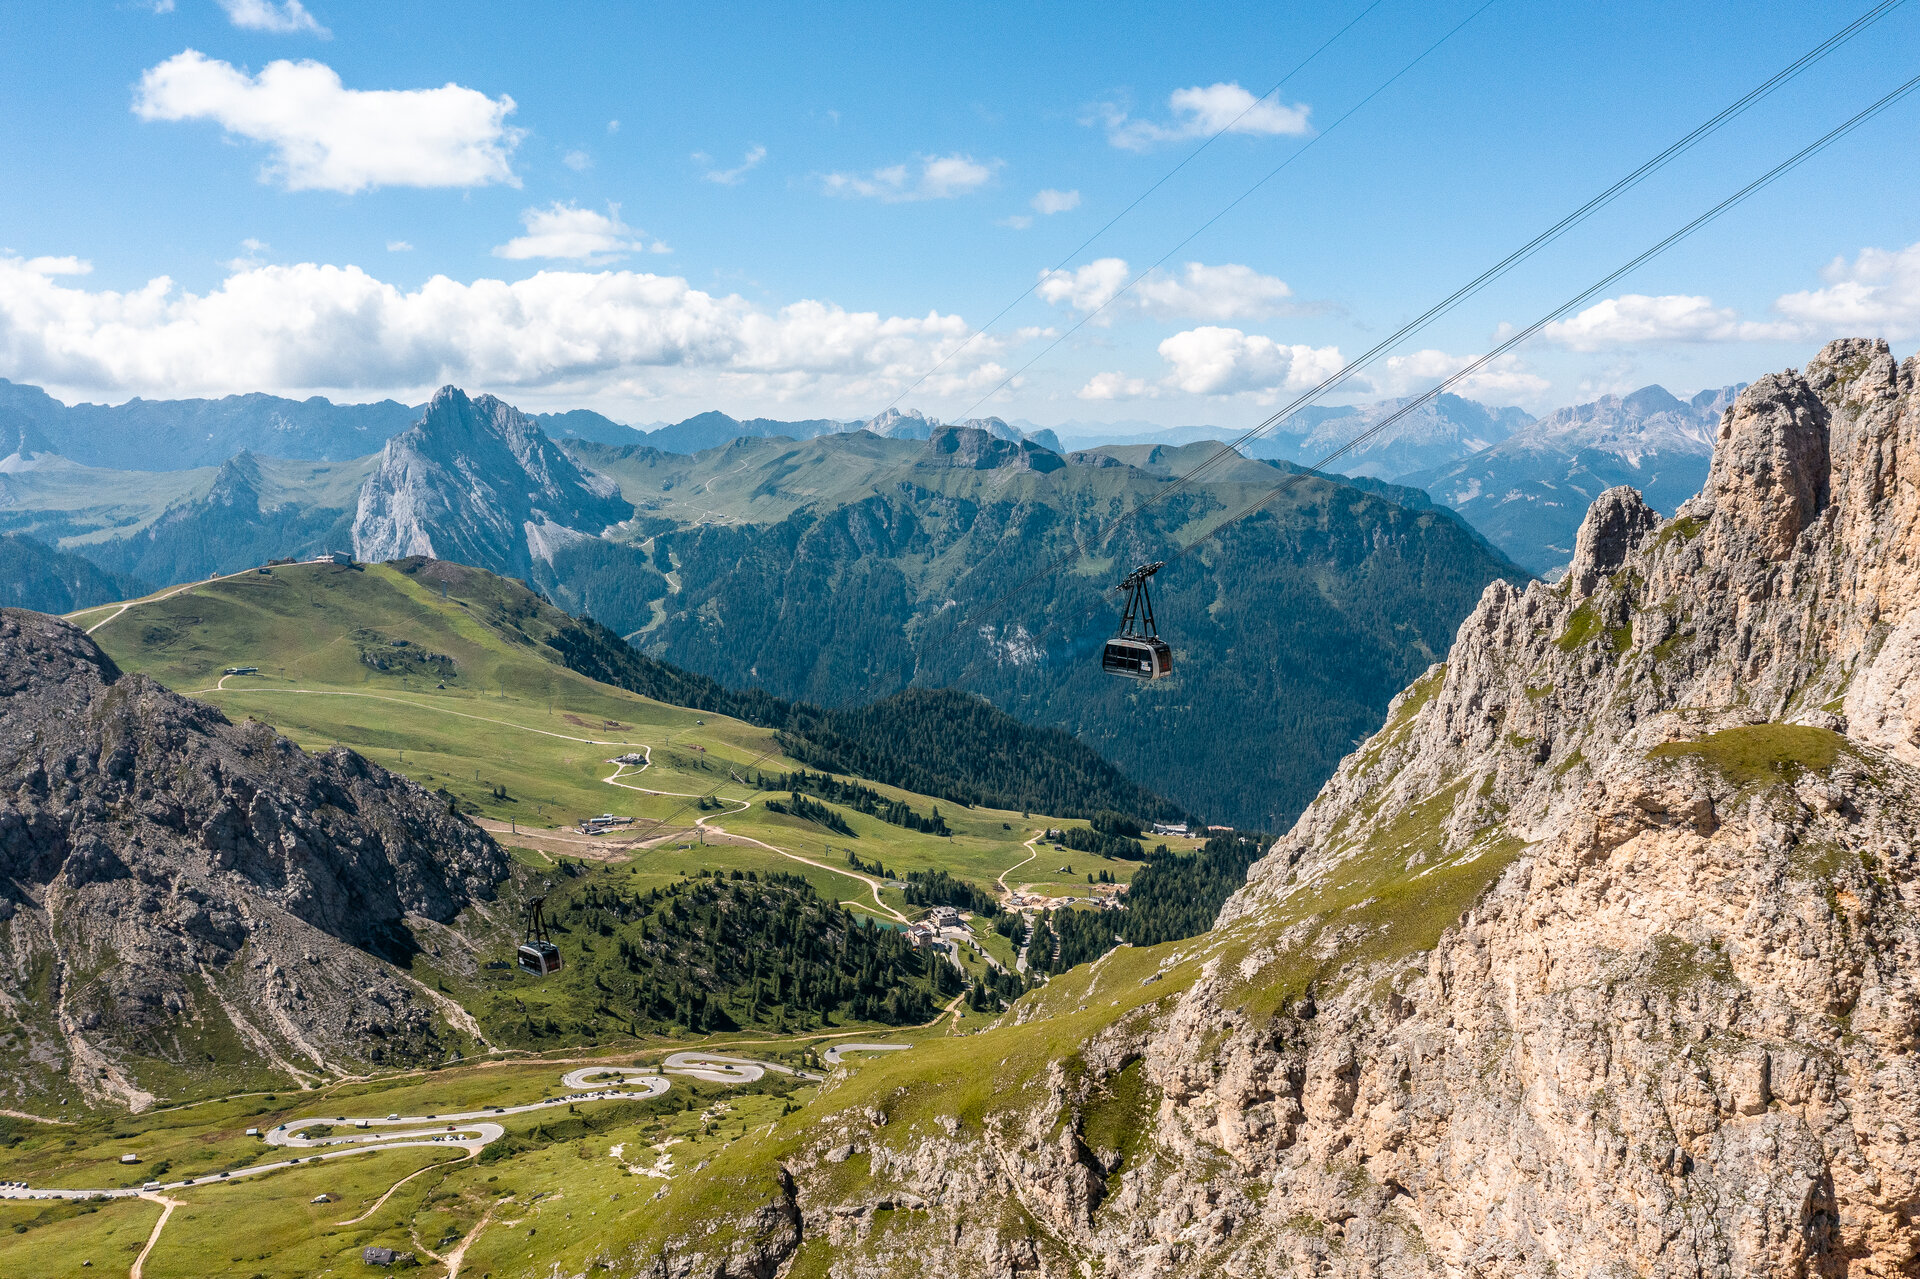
(1199, 112)
(1117, 386)
(940, 177)
(578, 161)
(326, 137)
(1875, 295)
(1018, 221)
(311, 328)
(613, 126)
(68, 265)
(1503, 381)
(1196, 292)
(1636, 319)
(1219, 361)
(399, 246)
(1086, 288)
(289, 17)
(730, 177)
(251, 250)
(158, 6)
(570, 233)
(1050, 201)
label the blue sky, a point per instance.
(797, 211)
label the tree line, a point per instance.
(715, 953)
(862, 799)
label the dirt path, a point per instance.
(381, 1201)
(154, 1238)
(453, 1259)
(1032, 853)
(152, 599)
(38, 1119)
(873, 885)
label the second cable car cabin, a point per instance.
(538, 955)
(1138, 652)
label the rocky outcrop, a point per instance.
(1599, 958)
(479, 483)
(178, 892)
(1614, 527)
(974, 449)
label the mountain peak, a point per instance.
(972, 448)
(1649, 400)
(477, 480)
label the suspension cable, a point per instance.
(1738, 107)
(1599, 286)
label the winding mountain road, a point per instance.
(470, 1131)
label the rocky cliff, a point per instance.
(1598, 959)
(182, 895)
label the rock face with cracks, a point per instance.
(1598, 959)
(181, 892)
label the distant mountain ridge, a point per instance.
(172, 435)
(1529, 492)
(1437, 432)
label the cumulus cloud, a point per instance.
(578, 161)
(1877, 294)
(568, 233)
(289, 17)
(315, 328)
(1636, 319)
(1199, 112)
(326, 137)
(1195, 292)
(67, 265)
(1219, 361)
(938, 177)
(1211, 360)
(730, 177)
(1503, 381)
(1050, 201)
(399, 246)
(1117, 386)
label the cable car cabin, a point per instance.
(1137, 658)
(538, 955)
(540, 958)
(1138, 652)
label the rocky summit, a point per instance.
(183, 894)
(1598, 959)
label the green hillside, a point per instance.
(447, 674)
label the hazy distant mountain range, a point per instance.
(1529, 492)
(1524, 484)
